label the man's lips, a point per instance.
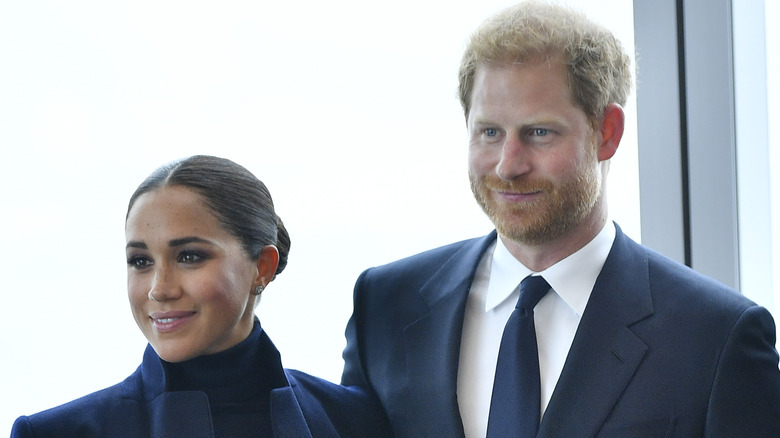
(518, 193)
(517, 196)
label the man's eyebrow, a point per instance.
(479, 120)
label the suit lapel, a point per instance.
(433, 342)
(605, 352)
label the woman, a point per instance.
(203, 242)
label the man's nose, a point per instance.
(514, 160)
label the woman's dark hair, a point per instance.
(241, 203)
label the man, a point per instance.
(629, 343)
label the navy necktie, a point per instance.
(515, 407)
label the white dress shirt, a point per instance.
(492, 299)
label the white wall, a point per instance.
(346, 109)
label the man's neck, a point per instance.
(541, 256)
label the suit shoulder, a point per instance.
(430, 259)
(694, 297)
(352, 411)
(668, 289)
(667, 274)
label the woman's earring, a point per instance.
(259, 290)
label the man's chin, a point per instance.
(525, 236)
(532, 232)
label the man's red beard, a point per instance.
(556, 209)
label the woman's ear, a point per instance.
(266, 265)
(611, 127)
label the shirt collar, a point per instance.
(571, 278)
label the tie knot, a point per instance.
(532, 289)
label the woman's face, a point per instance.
(189, 281)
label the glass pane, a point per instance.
(773, 108)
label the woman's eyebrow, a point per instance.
(136, 244)
(185, 240)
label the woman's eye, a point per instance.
(189, 257)
(139, 262)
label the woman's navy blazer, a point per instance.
(306, 407)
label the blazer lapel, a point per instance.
(286, 415)
(433, 342)
(605, 352)
(171, 414)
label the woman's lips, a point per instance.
(165, 322)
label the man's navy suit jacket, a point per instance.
(140, 407)
(661, 351)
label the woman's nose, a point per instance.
(164, 287)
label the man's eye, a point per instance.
(189, 257)
(539, 132)
(139, 262)
(491, 132)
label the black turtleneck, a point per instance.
(237, 381)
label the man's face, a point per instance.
(533, 161)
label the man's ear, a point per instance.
(611, 128)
